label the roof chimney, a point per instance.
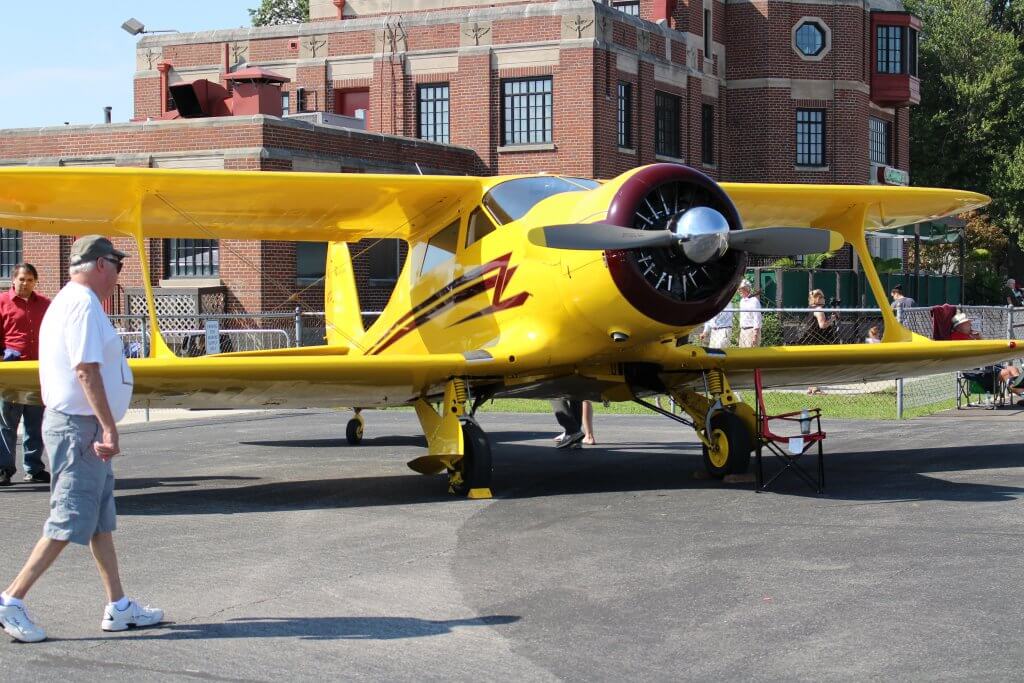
(106, 114)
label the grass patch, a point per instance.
(880, 405)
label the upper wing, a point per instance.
(825, 206)
(262, 205)
(846, 363)
(269, 380)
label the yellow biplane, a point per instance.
(525, 286)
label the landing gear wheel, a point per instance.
(473, 470)
(354, 431)
(734, 444)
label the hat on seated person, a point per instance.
(745, 284)
(92, 247)
(959, 319)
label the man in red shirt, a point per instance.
(21, 314)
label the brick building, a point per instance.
(744, 90)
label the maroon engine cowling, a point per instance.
(722, 276)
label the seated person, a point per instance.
(874, 336)
(962, 328)
(1013, 378)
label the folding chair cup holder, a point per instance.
(779, 444)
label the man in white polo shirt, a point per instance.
(87, 386)
(750, 316)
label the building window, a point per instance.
(433, 112)
(810, 137)
(526, 114)
(889, 50)
(384, 261)
(879, 141)
(310, 260)
(707, 134)
(666, 124)
(286, 103)
(192, 258)
(625, 115)
(10, 252)
(810, 39)
(630, 7)
(912, 52)
(707, 34)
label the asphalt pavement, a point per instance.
(280, 553)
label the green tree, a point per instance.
(273, 12)
(811, 261)
(968, 131)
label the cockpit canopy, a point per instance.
(513, 199)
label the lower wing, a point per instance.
(842, 363)
(267, 381)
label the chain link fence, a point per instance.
(890, 399)
(192, 335)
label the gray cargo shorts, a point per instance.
(81, 484)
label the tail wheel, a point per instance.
(354, 431)
(733, 445)
(473, 470)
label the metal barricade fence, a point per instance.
(187, 336)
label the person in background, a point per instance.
(874, 336)
(569, 414)
(750, 316)
(898, 300)
(718, 330)
(1014, 295)
(588, 423)
(21, 314)
(577, 421)
(821, 329)
(962, 328)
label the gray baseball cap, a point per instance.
(92, 247)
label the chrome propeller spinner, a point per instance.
(701, 233)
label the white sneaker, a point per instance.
(19, 625)
(134, 615)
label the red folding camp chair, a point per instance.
(780, 445)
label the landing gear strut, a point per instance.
(455, 443)
(725, 425)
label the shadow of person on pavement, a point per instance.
(316, 628)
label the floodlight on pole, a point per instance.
(135, 27)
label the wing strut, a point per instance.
(851, 226)
(157, 346)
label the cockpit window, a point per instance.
(512, 199)
(479, 226)
(440, 247)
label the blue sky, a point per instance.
(70, 70)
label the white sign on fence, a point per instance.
(212, 336)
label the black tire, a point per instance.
(736, 439)
(354, 432)
(475, 468)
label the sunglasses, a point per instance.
(117, 262)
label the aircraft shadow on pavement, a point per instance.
(420, 441)
(523, 471)
(318, 628)
(131, 483)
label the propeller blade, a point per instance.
(781, 241)
(599, 236)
